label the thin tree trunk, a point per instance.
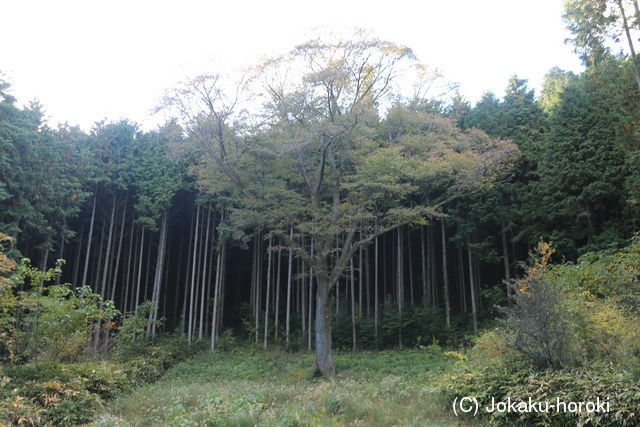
(115, 271)
(137, 300)
(127, 283)
(399, 283)
(472, 287)
(360, 274)
(461, 280)
(507, 271)
(425, 295)
(93, 218)
(216, 297)
(411, 296)
(625, 24)
(193, 277)
(310, 305)
(353, 306)
(205, 260)
(277, 313)
(107, 257)
(76, 265)
(266, 310)
(157, 281)
(367, 276)
(445, 275)
(289, 276)
(376, 292)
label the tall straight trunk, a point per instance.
(367, 277)
(93, 218)
(303, 298)
(385, 276)
(146, 274)
(127, 282)
(445, 275)
(254, 267)
(210, 269)
(277, 304)
(136, 302)
(157, 281)
(505, 258)
(107, 256)
(432, 267)
(375, 292)
(399, 282)
(461, 280)
(411, 296)
(203, 286)
(472, 287)
(289, 276)
(425, 296)
(183, 316)
(115, 270)
(96, 274)
(60, 253)
(193, 277)
(353, 306)
(215, 318)
(76, 265)
(221, 290)
(625, 24)
(360, 274)
(258, 296)
(310, 305)
(266, 309)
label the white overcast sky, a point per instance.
(89, 60)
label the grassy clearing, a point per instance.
(247, 388)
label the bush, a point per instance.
(519, 383)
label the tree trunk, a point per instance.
(399, 283)
(115, 271)
(193, 278)
(203, 286)
(507, 272)
(93, 218)
(353, 306)
(375, 292)
(324, 355)
(216, 298)
(445, 275)
(157, 281)
(360, 274)
(289, 274)
(367, 276)
(634, 58)
(472, 287)
(76, 265)
(411, 295)
(127, 282)
(107, 256)
(136, 302)
(310, 304)
(461, 280)
(277, 302)
(266, 310)
(425, 296)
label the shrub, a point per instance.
(519, 383)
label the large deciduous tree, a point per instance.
(317, 168)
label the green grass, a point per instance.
(247, 388)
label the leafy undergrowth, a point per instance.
(72, 393)
(250, 388)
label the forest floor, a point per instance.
(247, 388)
